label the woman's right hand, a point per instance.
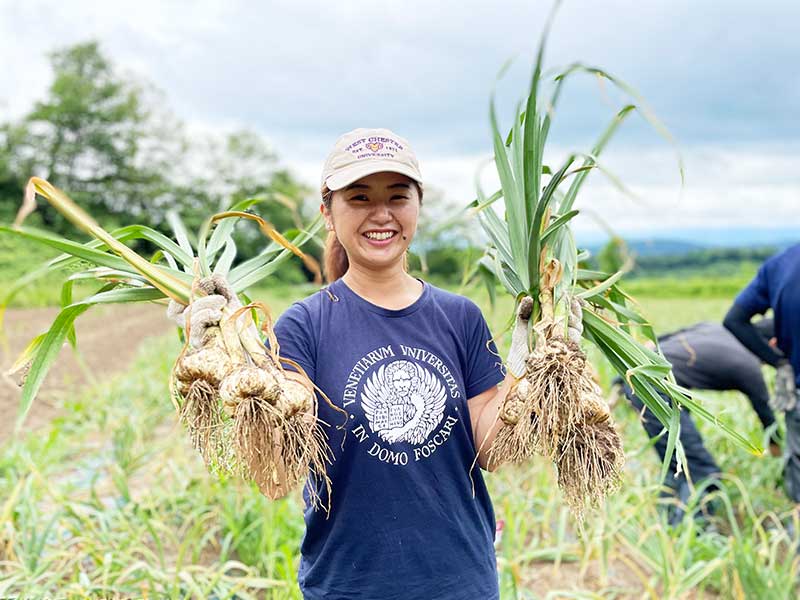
(206, 311)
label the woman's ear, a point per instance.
(326, 214)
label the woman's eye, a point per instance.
(399, 197)
(360, 198)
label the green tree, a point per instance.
(444, 231)
(226, 168)
(9, 183)
(613, 255)
(92, 136)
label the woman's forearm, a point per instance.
(484, 412)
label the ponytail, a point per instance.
(335, 260)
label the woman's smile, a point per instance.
(380, 238)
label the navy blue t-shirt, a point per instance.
(777, 286)
(404, 523)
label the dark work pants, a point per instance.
(791, 469)
(699, 460)
(764, 413)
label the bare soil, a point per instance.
(108, 339)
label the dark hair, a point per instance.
(334, 257)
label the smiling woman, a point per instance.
(416, 371)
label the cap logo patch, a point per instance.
(374, 147)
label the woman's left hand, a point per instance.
(515, 363)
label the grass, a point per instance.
(17, 258)
(110, 501)
(695, 285)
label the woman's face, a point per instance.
(375, 218)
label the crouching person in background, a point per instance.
(706, 356)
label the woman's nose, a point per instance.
(382, 212)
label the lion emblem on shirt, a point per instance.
(403, 401)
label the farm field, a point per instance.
(152, 156)
(112, 337)
(103, 497)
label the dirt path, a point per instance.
(108, 338)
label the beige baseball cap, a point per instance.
(362, 152)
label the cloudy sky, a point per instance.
(723, 76)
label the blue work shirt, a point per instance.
(777, 286)
(404, 523)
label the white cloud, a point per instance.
(301, 73)
(422, 67)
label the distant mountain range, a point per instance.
(685, 241)
(658, 247)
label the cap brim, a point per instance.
(353, 173)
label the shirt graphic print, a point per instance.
(402, 401)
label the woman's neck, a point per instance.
(389, 288)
